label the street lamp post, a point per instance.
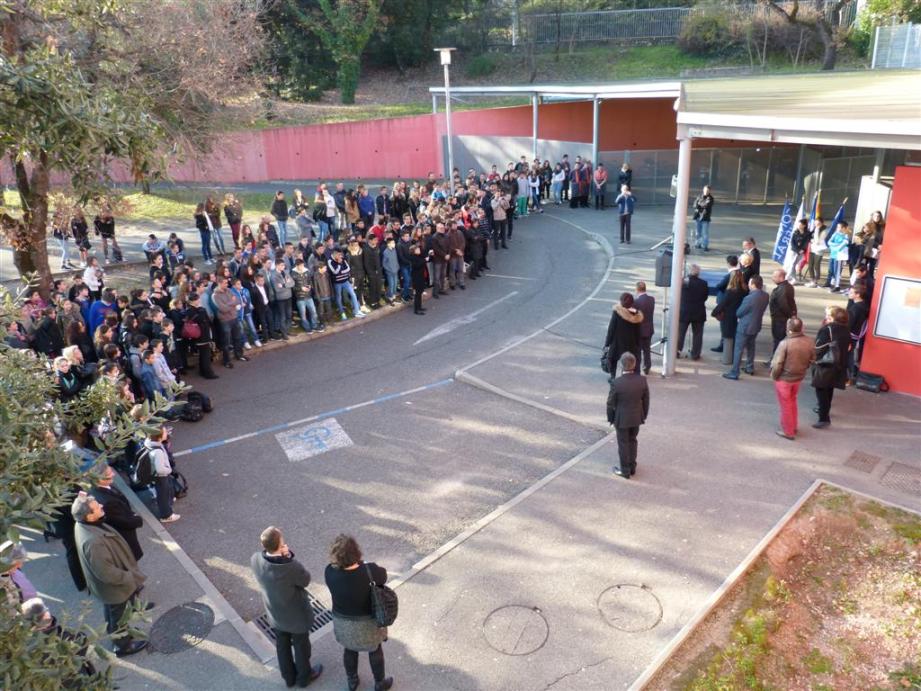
(446, 62)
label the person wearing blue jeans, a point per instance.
(303, 296)
(749, 315)
(204, 230)
(703, 207)
(341, 274)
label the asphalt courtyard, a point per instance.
(467, 451)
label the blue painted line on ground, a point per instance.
(312, 418)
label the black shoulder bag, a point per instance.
(384, 602)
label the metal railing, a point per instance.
(897, 46)
(647, 24)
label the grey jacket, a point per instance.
(111, 571)
(284, 592)
(750, 313)
(628, 401)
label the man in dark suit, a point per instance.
(628, 406)
(645, 304)
(782, 306)
(119, 514)
(749, 315)
(693, 311)
(752, 250)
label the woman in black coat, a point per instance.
(623, 332)
(827, 378)
(417, 268)
(726, 307)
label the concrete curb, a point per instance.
(251, 635)
(738, 573)
(478, 383)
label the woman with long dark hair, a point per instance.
(830, 369)
(623, 332)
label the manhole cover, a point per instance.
(862, 461)
(516, 629)
(321, 617)
(903, 478)
(181, 628)
(631, 608)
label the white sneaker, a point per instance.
(172, 518)
(247, 346)
(365, 309)
(360, 314)
(258, 343)
(107, 262)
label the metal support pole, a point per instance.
(739, 174)
(767, 174)
(448, 126)
(596, 112)
(798, 181)
(434, 104)
(679, 235)
(534, 126)
(878, 164)
(875, 46)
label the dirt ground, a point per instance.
(834, 602)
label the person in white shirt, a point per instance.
(94, 277)
(155, 445)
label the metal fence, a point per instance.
(897, 46)
(647, 25)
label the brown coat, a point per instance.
(792, 358)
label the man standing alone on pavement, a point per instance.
(112, 573)
(791, 361)
(782, 306)
(646, 305)
(628, 406)
(283, 581)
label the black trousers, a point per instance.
(627, 447)
(646, 352)
(165, 496)
(625, 227)
(375, 657)
(778, 332)
(498, 233)
(697, 336)
(823, 398)
(113, 615)
(417, 299)
(204, 360)
(510, 219)
(295, 669)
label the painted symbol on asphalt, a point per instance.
(300, 443)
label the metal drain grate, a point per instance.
(321, 617)
(903, 478)
(862, 461)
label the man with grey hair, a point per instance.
(693, 311)
(112, 573)
(628, 407)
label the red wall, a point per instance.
(899, 363)
(410, 146)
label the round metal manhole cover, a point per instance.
(516, 629)
(181, 628)
(631, 608)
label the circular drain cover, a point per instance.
(181, 628)
(516, 629)
(631, 608)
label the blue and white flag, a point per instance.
(784, 231)
(789, 260)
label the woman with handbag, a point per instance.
(830, 369)
(351, 582)
(725, 312)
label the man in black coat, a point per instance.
(782, 306)
(628, 407)
(47, 338)
(752, 250)
(119, 513)
(693, 311)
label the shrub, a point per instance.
(706, 33)
(482, 66)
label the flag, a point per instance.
(816, 212)
(784, 231)
(789, 254)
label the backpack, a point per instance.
(180, 484)
(203, 401)
(191, 331)
(141, 473)
(191, 412)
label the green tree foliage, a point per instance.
(407, 33)
(878, 13)
(38, 475)
(86, 82)
(346, 27)
(295, 64)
